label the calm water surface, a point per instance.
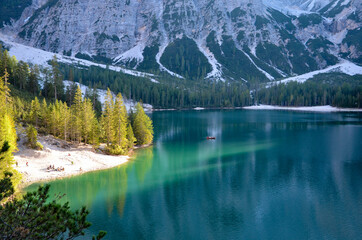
(268, 175)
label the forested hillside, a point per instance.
(64, 114)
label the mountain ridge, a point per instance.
(233, 40)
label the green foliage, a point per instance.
(273, 55)
(83, 56)
(338, 8)
(106, 120)
(319, 47)
(36, 217)
(353, 38)
(260, 22)
(34, 114)
(8, 137)
(321, 90)
(142, 125)
(299, 57)
(354, 16)
(115, 150)
(170, 93)
(102, 37)
(237, 64)
(306, 20)
(149, 59)
(53, 86)
(32, 136)
(278, 16)
(100, 58)
(6, 185)
(184, 58)
(236, 14)
(261, 64)
(317, 43)
(39, 146)
(12, 10)
(130, 136)
(7, 125)
(119, 121)
(327, 7)
(117, 132)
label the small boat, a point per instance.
(210, 138)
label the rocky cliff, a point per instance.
(243, 40)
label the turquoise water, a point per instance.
(268, 175)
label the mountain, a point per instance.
(241, 40)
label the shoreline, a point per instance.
(321, 109)
(76, 160)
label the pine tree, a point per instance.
(88, 117)
(130, 136)
(119, 122)
(77, 111)
(44, 116)
(64, 119)
(7, 125)
(107, 117)
(21, 74)
(7, 130)
(33, 80)
(34, 216)
(142, 126)
(32, 135)
(34, 114)
(57, 79)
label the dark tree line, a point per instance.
(312, 93)
(169, 93)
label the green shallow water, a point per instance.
(268, 175)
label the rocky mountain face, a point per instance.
(243, 40)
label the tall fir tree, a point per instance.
(57, 80)
(130, 136)
(142, 126)
(77, 112)
(107, 117)
(35, 113)
(33, 80)
(119, 122)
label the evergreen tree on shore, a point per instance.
(142, 126)
(7, 131)
(107, 117)
(120, 122)
(130, 136)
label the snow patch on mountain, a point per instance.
(135, 53)
(158, 60)
(216, 72)
(41, 57)
(344, 67)
(270, 77)
(296, 7)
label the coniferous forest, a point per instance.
(339, 90)
(35, 98)
(67, 114)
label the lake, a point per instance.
(268, 175)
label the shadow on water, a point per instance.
(268, 175)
